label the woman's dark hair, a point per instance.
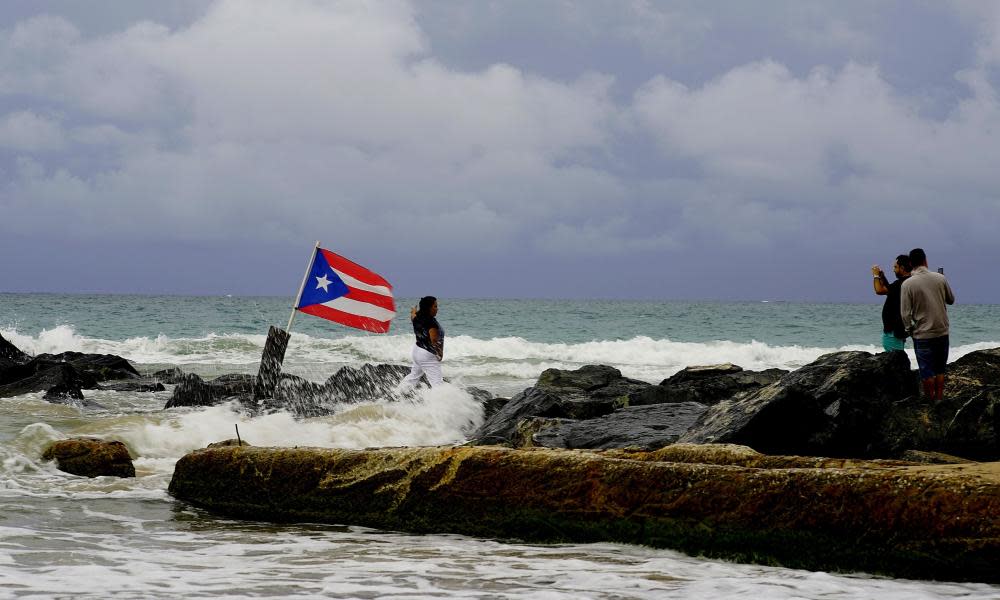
(425, 306)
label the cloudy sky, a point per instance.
(535, 148)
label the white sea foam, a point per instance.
(510, 358)
(442, 415)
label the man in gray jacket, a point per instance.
(923, 307)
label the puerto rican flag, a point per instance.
(339, 290)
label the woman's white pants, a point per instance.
(424, 363)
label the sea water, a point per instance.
(68, 536)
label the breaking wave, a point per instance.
(470, 358)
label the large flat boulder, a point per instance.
(902, 520)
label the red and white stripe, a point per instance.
(368, 305)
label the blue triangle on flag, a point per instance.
(322, 284)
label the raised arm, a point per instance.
(881, 282)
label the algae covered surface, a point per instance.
(891, 517)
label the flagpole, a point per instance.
(298, 296)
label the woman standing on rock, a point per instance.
(428, 352)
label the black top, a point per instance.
(422, 326)
(892, 321)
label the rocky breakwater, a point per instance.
(64, 376)
(596, 407)
(843, 404)
(890, 517)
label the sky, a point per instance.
(730, 150)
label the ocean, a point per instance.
(67, 536)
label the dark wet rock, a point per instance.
(91, 457)
(965, 423)
(191, 391)
(303, 398)
(40, 375)
(102, 367)
(348, 385)
(834, 406)
(368, 383)
(588, 392)
(493, 406)
(194, 391)
(133, 385)
(705, 384)
(700, 372)
(11, 354)
(64, 394)
(169, 376)
(269, 371)
(643, 427)
(489, 402)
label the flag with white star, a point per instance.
(339, 290)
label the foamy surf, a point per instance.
(509, 363)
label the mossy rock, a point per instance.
(91, 457)
(889, 517)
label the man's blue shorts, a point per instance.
(891, 342)
(932, 355)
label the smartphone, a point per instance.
(941, 270)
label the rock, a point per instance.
(489, 402)
(348, 385)
(303, 398)
(705, 385)
(492, 406)
(368, 383)
(932, 458)
(228, 443)
(91, 457)
(194, 391)
(699, 372)
(917, 521)
(133, 385)
(64, 394)
(588, 392)
(644, 427)
(269, 371)
(965, 423)
(101, 367)
(40, 374)
(834, 406)
(970, 410)
(169, 376)
(9, 353)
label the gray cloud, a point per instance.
(483, 136)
